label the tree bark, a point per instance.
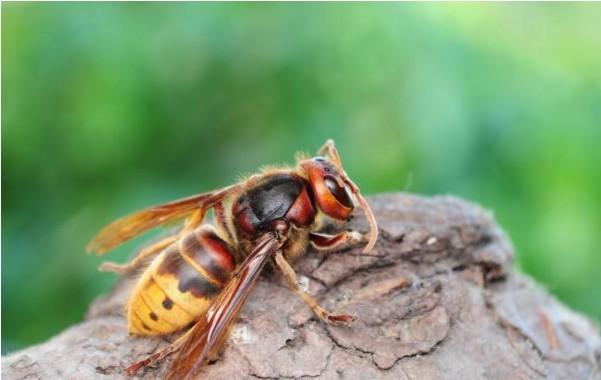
(436, 299)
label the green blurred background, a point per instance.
(107, 108)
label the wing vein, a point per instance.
(212, 328)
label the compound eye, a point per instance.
(338, 192)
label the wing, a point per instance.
(211, 329)
(134, 224)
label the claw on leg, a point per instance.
(342, 319)
(135, 367)
(334, 319)
(132, 369)
(326, 243)
(320, 312)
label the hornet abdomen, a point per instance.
(180, 283)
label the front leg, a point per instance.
(319, 311)
(328, 243)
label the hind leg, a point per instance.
(132, 369)
(194, 221)
(139, 259)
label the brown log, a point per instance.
(436, 299)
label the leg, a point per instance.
(221, 222)
(137, 261)
(328, 243)
(194, 221)
(159, 355)
(321, 313)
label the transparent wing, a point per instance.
(132, 225)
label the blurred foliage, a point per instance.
(107, 108)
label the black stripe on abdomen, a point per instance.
(188, 278)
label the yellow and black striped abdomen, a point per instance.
(180, 283)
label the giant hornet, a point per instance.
(202, 275)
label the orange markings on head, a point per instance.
(328, 188)
(331, 184)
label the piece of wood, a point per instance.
(436, 299)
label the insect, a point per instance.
(202, 275)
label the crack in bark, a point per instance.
(280, 376)
(510, 328)
(419, 353)
(352, 350)
(426, 240)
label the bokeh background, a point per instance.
(107, 108)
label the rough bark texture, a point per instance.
(436, 299)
